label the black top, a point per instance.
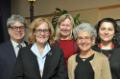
(84, 69)
(108, 53)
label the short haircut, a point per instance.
(84, 27)
(15, 18)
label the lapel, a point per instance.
(11, 51)
(48, 65)
(93, 62)
(26, 43)
(96, 67)
(34, 66)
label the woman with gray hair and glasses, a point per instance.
(87, 63)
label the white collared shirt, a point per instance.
(41, 57)
(16, 48)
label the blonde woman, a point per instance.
(41, 60)
(64, 35)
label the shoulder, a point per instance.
(95, 47)
(116, 54)
(25, 50)
(56, 49)
(100, 56)
(72, 58)
(116, 49)
(6, 45)
(26, 54)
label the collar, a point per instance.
(15, 44)
(110, 47)
(46, 50)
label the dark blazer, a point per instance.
(27, 67)
(115, 64)
(7, 60)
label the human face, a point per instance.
(84, 41)
(17, 31)
(42, 33)
(106, 31)
(66, 28)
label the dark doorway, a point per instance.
(5, 11)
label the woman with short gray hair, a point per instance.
(87, 63)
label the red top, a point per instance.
(69, 48)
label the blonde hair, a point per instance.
(61, 19)
(35, 24)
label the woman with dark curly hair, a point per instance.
(106, 42)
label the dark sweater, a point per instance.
(84, 69)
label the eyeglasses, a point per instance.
(17, 27)
(38, 31)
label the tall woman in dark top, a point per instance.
(87, 63)
(64, 35)
(41, 60)
(106, 42)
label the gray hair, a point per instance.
(85, 27)
(15, 18)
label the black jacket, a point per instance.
(27, 67)
(7, 59)
(115, 64)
